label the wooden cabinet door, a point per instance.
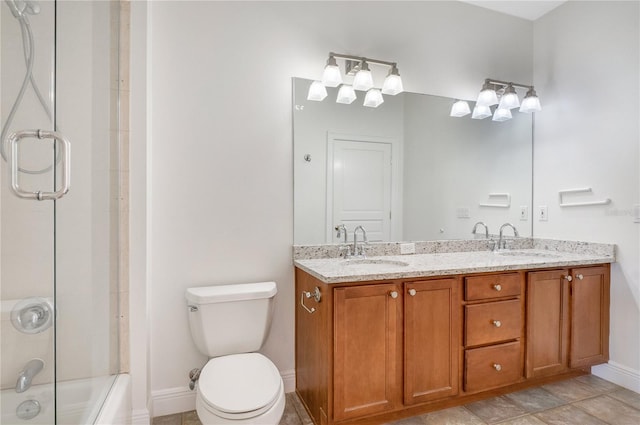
(431, 339)
(366, 344)
(589, 316)
(547, 333)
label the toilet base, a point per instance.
(270, 417)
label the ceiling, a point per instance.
(527, 9)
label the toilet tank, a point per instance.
(230, 319)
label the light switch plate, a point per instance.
(543, 213)
(524, 213)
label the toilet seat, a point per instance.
(239, 386)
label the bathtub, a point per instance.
(101, 400)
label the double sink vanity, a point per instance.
(390, 336)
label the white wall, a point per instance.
(586, 70)
(220, 129)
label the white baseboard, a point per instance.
(289, 380)
(182, 399)
(140, 417)
(619, 374)
(172, 400)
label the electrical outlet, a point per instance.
(543, 214)
(407, 248)
(524, 213)
(463, 212)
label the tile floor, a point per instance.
(586, 400)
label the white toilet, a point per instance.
(228, 323)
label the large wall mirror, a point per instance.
(406, 170)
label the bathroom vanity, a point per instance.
(390, 336)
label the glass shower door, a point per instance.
(27, 259)
(59, 271)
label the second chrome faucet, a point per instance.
(357, 249)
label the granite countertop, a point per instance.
(339, 270)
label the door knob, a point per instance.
(579, 276)
(412, 292)
(393, 294)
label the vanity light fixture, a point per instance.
(460, 108)
(363, 80)
(346, 94)
(503, 94)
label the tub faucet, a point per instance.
(26, 375)
(501, 243)
(475, 229)
(360, 252)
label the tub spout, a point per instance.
(26, 375)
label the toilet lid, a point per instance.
(239, 383)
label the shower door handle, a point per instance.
(65, 155)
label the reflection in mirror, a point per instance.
(406, 170)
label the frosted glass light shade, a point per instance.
(392, 85)
(346, 95)
(317, 92)
(509, 99)
(481, 112)
(373, 99)
(530, 103)
(363, 79)
(460, 109)
(487, 97)
(331, 76)
(502, 114)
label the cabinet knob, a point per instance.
(412, 292)
(393, 294)
(497, 287)
(497, 367)
(568, 278)
(497, 323)
(579, 276)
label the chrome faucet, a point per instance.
(475, 229)
(502, 244)
(360, 252)
(26, 375)
(342, 231)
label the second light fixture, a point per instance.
(362, 81)
(501, 93)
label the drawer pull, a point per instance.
(393, 294)
(579, 276)
(497, 367)
(412, 292)
(497, 287)
(497, 323)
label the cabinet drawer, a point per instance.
(492, 322)
(492, 286)
(493, 366)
